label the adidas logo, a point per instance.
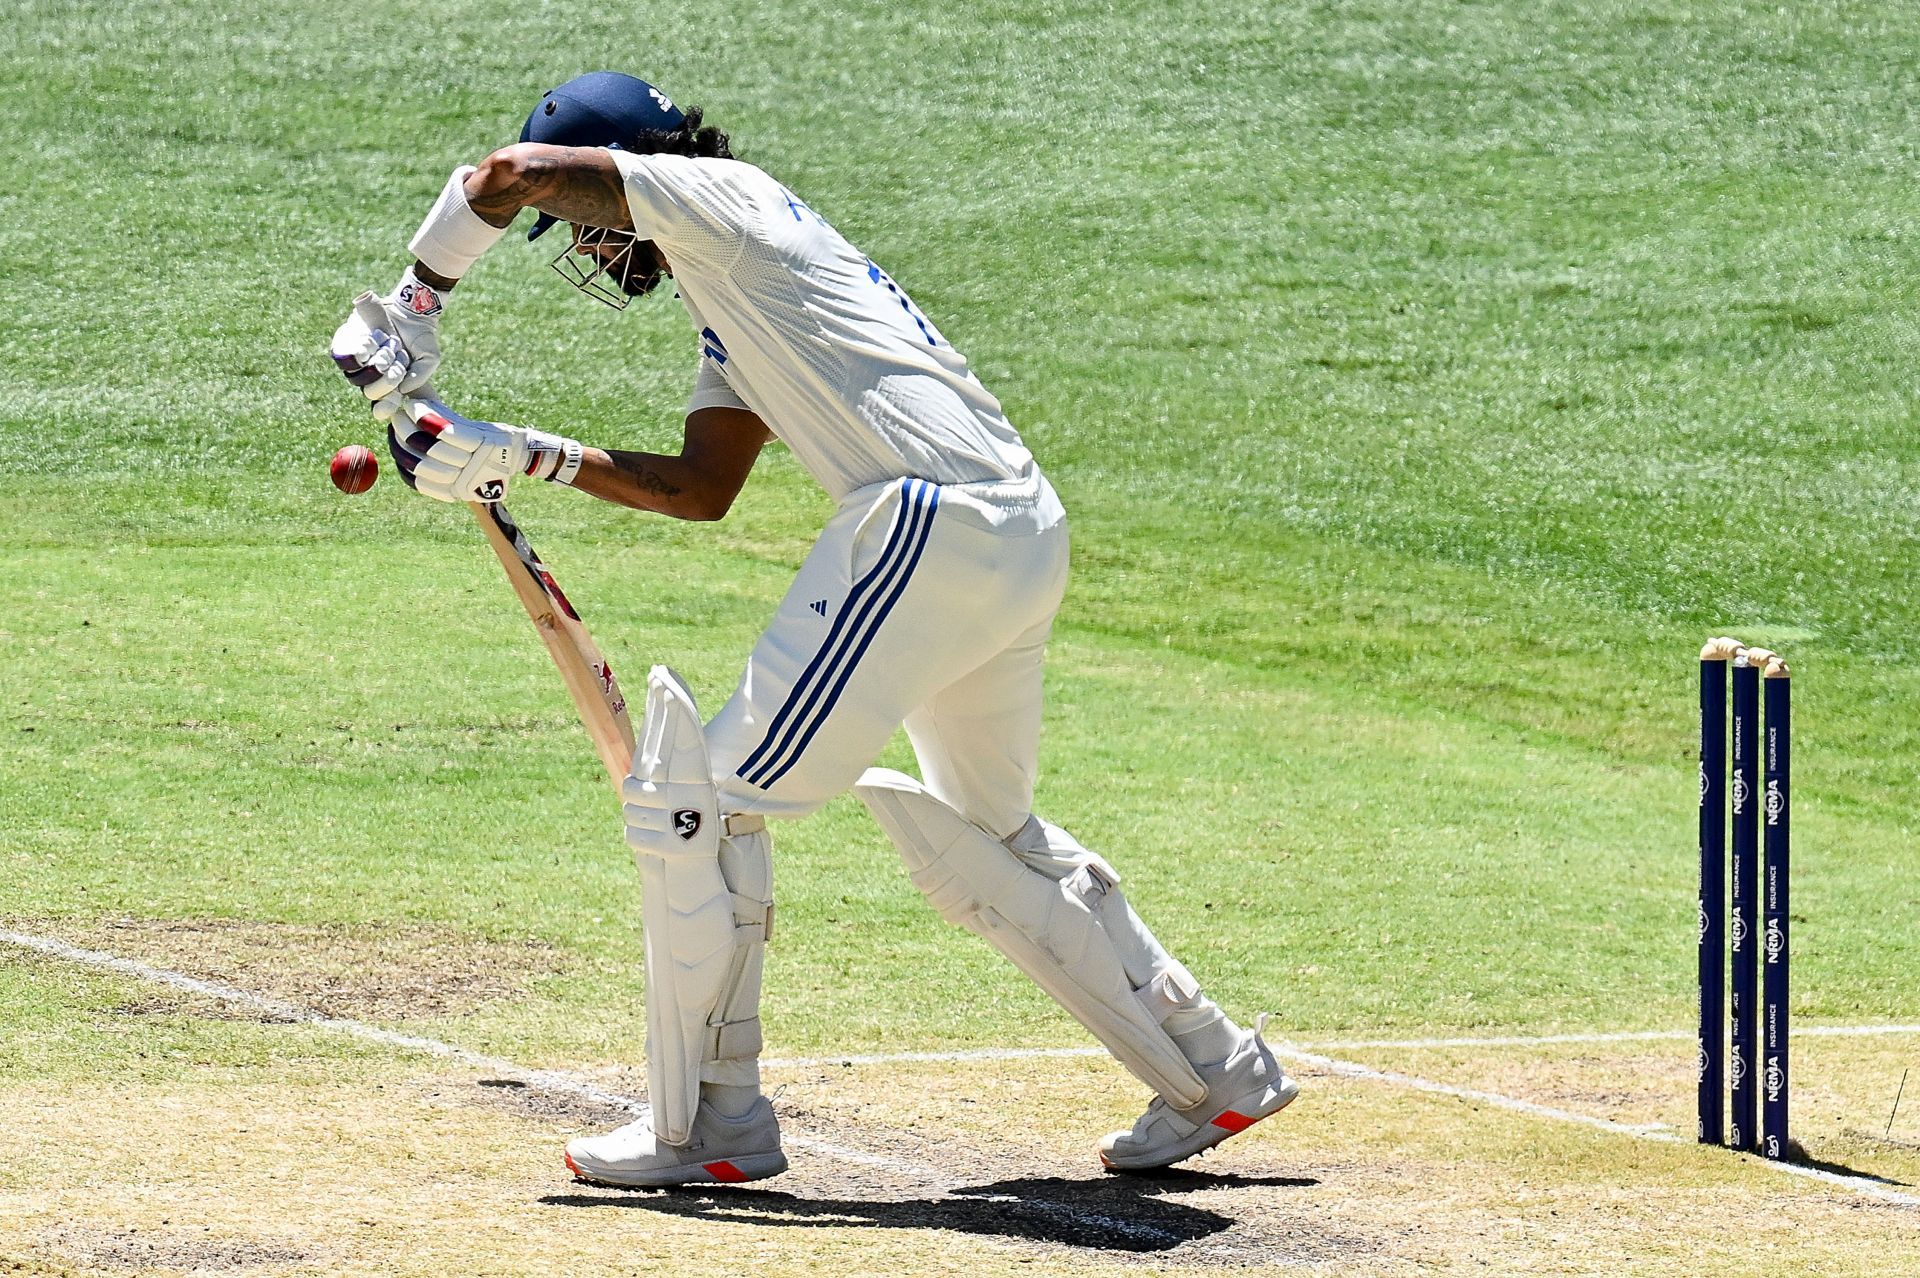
(819, 606)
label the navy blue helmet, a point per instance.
(600, 108)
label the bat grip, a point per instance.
(372, 314)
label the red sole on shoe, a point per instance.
(1228, 1123)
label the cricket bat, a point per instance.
(590, 683)
(589, 679)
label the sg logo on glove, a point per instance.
(686, 822)
(420, 299)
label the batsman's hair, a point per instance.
(690, 139)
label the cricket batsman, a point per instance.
(926, 601)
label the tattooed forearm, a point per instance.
(639, 467)
(576, 184)
(501, 194)
(699, 484)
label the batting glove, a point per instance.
(453, 458)
(396, 357)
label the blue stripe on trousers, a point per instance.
(852, 629)
(810, 702)
(899, 588)
(895, 536)
(867, 614)
(849, 615)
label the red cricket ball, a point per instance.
(353, 469)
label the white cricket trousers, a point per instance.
(921, 604)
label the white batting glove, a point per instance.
(394, 351)
(471, 460)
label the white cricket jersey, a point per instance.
(806, 331)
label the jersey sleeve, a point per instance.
(712, 390)
(688, 206)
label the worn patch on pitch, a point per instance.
(927, 1170)
(365, 973)
(936, 1150)
(196, 1250)
(574, 1114)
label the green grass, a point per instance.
(1426, 382)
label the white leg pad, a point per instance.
(1161, 982)
(699, 951)
(733, 1033)
(1049, 926)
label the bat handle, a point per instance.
(372, 314)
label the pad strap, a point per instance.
(1172, 987)
(1171, 990)
(734, 1041)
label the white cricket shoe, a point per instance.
(724, 1151)
(1244, 1088)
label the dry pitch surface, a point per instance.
(395, 1162)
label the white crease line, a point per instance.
(545, 1080)
(1326, 1045)
(554, 1082)
(1348, 1069)
(1659, 1132)
(935, 1058)
(550, 1081)
(1859, 1184)
(1512, 1040)
(1618, 1036)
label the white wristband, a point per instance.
(552, 457)
(453, 236)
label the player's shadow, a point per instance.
(1801, 1158)
(1111, 1213)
